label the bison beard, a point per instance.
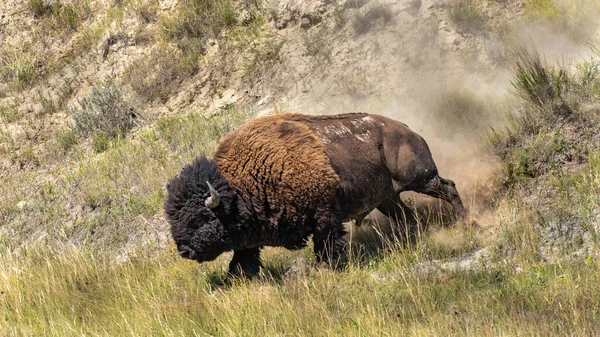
(277, 180)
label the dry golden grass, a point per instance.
(78, 292)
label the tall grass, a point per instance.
(554, 125)
(550, 158)
(82, 293)
(19, 64)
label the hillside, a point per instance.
(102, 102)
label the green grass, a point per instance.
(196, 22)
(19, 64)
(550, 158)
(556, 121)
(66, 139)
(84, 293)
(84, 287)
(59, 17)
(183, 36)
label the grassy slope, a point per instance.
(82, 291)
(71, 285)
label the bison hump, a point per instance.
(279, 166)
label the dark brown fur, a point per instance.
(377, 158)
(283, 178)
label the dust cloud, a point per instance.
(420, 68)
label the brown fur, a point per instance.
(273, 164)
(377, 158)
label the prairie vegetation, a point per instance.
(80, 292)
(387, 288)
(85, 249)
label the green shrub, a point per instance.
(145, 10)
(467, 16)
(66, 139)
(366, 20)
(60, 16)
(103, 114)
(556, 124)
(18, 64)
(535, 83)
(548, 92)
(38, 7)
(100, 143)
(9, 113)
(69, 16)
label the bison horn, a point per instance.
(214, 199)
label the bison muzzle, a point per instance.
(278, 180)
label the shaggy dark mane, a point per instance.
(188, 190)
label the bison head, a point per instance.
(199, 208)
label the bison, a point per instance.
(279, 179)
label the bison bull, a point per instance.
(277, 180)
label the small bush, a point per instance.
(535, 83)
(197, 21)
(60, 16)
(462, 110)
(38, 7)
(365, 21)
(146, 11)
(552, 128)
(66, 139)
(159, 75)
(547, 90)
(9, 113)
(19, 64)
(467, 16)
(100, 143)
(103, 114)
(69, 16)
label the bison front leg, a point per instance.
(245, 263)
(329, 241)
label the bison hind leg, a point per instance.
(245, 263)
